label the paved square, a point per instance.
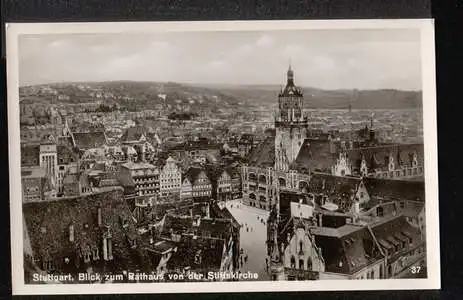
(253, 236)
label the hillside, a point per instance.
(146, 95)
(334, 99)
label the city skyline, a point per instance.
(324, 59)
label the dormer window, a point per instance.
(95, 254)
(198, 257)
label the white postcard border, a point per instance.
(426, 26)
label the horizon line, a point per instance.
(204, 84)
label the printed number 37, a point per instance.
(415, 269)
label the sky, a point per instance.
(327, 59)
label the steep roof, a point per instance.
(88, 140)
(314, 155)
(264, 154)
(134, 133)
(378, 156)
(200, 144)
(390, 189)
(332, 185)
(198, 253)
(393, 231)
(193, 174)
(48, 224)
(346, 249)
(65, 155)
(30, 155)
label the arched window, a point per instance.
(309, 263)
(293, 262)
(300, 246)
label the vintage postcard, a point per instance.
(174, 157)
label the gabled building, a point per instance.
(138, 138)
(349, 194)
(170, 179)
(201, 186)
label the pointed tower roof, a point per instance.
(290, 88)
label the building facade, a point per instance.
(170, 179)
(143, 176)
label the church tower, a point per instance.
(290, 123)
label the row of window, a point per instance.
(301, 264)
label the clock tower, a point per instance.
(290, 123)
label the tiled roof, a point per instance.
(88, 140)
(394, 230)
(137, 165)
(134, 133)
(264, 154)
(201, 144)
(378, 156)
(30, 155)
(193, 174)
(48, 224)
(344, 249)
(198, 253)
(390, 189)
(314, 155)
(333, 185)
(65, 155)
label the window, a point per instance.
(95, 254)
(301, 264)
(293, 262)
(198, 257)
(309, 263)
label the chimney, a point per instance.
(99, 216)
(208, 213)
(105, 248)
(71, 233)
(110, 249)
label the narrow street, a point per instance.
(252, 236)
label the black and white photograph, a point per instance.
(167, 157)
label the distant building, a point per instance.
(67, 164)
(48, 159)
(137, 137)
(170, 179)
(221, 181)
(36, 185)
(201, 187)
(143, 176)
(201, 149)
